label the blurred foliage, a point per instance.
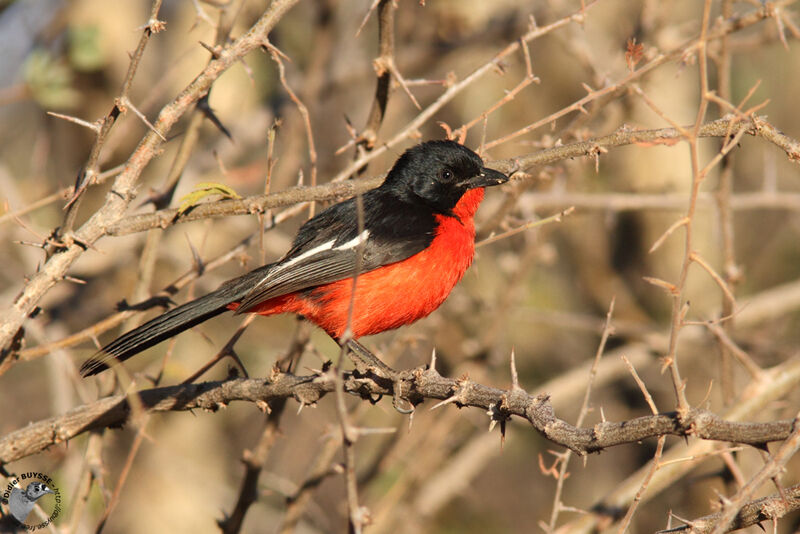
(85, 48)
(49, 79)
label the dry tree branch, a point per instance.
(771, 469)
(420, 383)
(722, 28)
(457, 471)
(453, 90)
(765, 509)
(452, 473)
(562, 474)
(386, 15)
(255, 459)
(122, 191)
(679, 301)
(341, 190)
(680, 460)
(89, 173)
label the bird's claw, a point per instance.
(397, 396)
(365, 361)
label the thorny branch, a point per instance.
(420, 383)
(681, 459)
(523, 164)
(772, 468)
(722, 28)
(768, 508)
(386, 10)
(122, 191)
(88, 175)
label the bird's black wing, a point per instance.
(324, 251)
(326, 247)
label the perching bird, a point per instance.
(416, 239)
(21, 502)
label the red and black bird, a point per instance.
(416, 241)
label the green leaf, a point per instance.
(204, 190)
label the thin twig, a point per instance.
(771, 469)
(115, 204)
(755, 512)
(562, 475)
(758, 397)
(90, 169)
(312, 151)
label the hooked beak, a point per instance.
(486, 178)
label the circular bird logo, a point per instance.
(24, 492)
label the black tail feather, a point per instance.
(169, 324)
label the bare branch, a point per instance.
(419, 383)
(765, 509)
(341, 190)
(123, 188)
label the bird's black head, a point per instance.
(438, 173)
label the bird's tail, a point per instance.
(170, 323)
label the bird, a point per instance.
(407, 242)
(21, 502)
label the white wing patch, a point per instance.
(328, 245)
(353, 243)
(307, 254)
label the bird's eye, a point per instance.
(446, 174)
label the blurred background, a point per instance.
(542, 293)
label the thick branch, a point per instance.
(419, 383)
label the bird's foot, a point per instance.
(366, 362)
